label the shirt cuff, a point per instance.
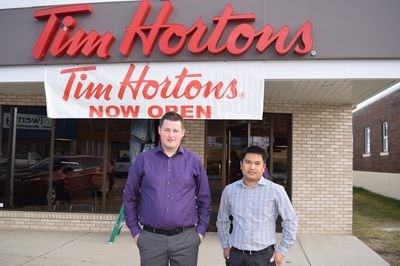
(281, 249)
(201, 230)
(135, 231)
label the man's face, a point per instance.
(252, 167)
(171, 134)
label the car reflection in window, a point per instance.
(71, 174)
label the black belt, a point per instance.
(169, 231)
(254, 252)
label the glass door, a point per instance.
(238, 139)
(273, 134)
(227, 139)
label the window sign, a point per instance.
(28, 121)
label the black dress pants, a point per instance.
(238, 258)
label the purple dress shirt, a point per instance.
(167, 192)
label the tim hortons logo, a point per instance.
(60, 35)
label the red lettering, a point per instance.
(113, 111)
(78, 88)
(175, 30)
(165, 32)
(199, 29)
(230, 92)
(222, 21)
(154, 111)
(202, 112)
(303, 36)
(171, 37)
(184, 85)
(45, 37)
(130, 111)
(186, 111)
(190, 111)
(126, 83)
(95, 111)
(61, 41)
(180, 79)
(136, 28)
(245, 31)
(193, 89)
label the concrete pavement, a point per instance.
(45, 248)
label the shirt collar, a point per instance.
(261, 182)
(158, 149)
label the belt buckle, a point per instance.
(246, 252)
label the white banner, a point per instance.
(196, 90)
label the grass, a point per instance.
(376, 222)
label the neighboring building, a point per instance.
(284, 75)
(376, 133)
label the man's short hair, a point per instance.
(257, 150)
(171, 116)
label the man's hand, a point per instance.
(226, 253)
(201, 237)
(136, 238)
(278, 258)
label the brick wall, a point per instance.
(59, 221)
(322, 166)
(373, 115)
(194, 139)
(22, 99)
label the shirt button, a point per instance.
(166, 209)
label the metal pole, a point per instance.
(105, 163)
(271, 148)
(249, 140)
(1, 131)
(11, 154)
(51, 164)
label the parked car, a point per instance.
(26, 159)
(78, 173)
(121, 166)
(23, 159)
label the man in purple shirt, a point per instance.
(167, 201)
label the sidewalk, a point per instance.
(45, 248)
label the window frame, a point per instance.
(367, 141)
(385, 138)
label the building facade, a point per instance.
(376, 130)
(302, 75)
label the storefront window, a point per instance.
(77, 182)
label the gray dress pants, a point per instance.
(162, 250)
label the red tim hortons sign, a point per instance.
(231, 33)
